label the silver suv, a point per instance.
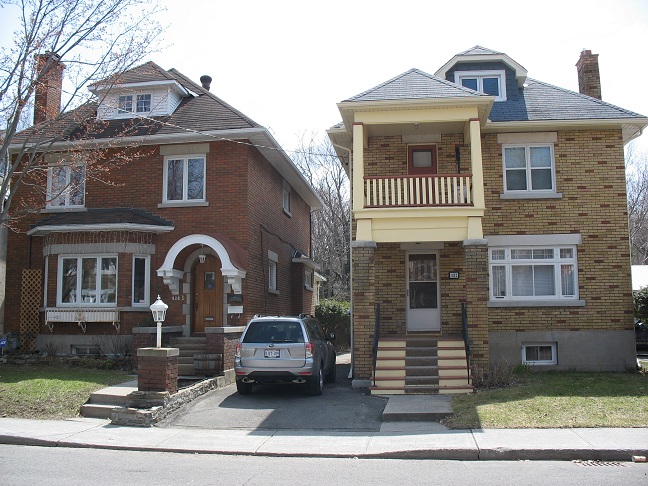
(285, 350)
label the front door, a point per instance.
(208, 295)
(423, 292)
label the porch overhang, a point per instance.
(418, 224)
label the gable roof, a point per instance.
(415, 84)
(478, 50)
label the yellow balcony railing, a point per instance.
(418, 191)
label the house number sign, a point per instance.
(453, 275)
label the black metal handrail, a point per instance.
(464, 321)
(375, 340)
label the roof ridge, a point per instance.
(584, 96)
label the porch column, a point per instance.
(364, 300)
(474, 134)
(157, 370)
(476, 268)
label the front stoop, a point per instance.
(421, 365)
(189, 347)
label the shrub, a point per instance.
(334, 317)
(640, 298)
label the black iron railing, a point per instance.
(464, 322)
(375, 340)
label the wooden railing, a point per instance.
(417, 191)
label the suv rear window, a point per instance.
(274, 331)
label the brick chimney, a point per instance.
(589, 80)
(47, 100)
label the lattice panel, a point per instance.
(30, 301)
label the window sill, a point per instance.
(531, 195)
(536, 303)
(273, 291)
(308, 287)
(287, 213)
(183, 204)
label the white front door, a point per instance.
(423, 292)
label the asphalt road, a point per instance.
(339, 408)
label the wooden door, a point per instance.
(208, 295)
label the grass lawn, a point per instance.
(557, 399)
(50, 392)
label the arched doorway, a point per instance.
(207, 294)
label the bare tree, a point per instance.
(319, 163)
(92, 41)
(637, 187)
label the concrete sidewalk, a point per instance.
(420, 440)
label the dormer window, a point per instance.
(492, 83)
(129, 104)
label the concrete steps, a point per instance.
(421, 365)
(101, 402)
(189, 347)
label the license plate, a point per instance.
(271, 353)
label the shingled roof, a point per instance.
(414, 84)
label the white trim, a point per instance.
(98, 257)
(480, 75)
(77, 228)
(535, 240)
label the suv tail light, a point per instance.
(237, 354)
(309, 350)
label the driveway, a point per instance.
(339, 408)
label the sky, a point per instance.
(286, 63)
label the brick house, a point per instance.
(489, 222)
(207, 211)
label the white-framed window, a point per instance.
(492, 83)
(141, 280)
(184, 178)
(539, 354)
(529, 168)
(128, 104)
(273, 259)
(66, 186)
(533, 273)
(87, 280)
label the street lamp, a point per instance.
(159, 308)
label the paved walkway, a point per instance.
(428, 440)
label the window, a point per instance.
(87, 281)
(529, 168)
(308, 278)
(141, 280)
(539, 354)
(142, 104)
(66, 186)
(533, 273)
(273, 258)
(286, 198)
(488, 82)
(184, 178)
(422, 159)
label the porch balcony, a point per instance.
(438, 190)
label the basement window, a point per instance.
(539, 354)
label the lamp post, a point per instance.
(159, 308)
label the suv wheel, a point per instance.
(316, 384)
(331, 375)
(243, 388)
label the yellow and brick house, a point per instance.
(489, 224)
